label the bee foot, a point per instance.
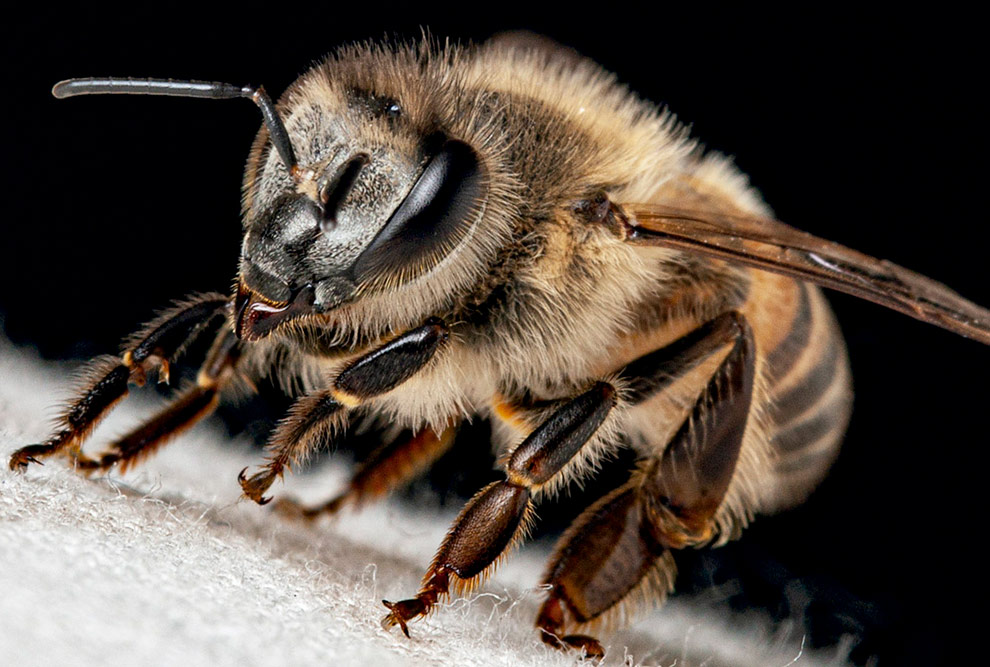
(402, 611)
(255, 486)
(20, 459)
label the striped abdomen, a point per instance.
(809, 389)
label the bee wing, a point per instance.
(773, 246)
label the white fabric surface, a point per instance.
(166, 566)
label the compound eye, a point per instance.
(431, 221)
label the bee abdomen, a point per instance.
(810, 397)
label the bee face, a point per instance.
(382, 197)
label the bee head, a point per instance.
(384, 202)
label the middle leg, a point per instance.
(388, 468)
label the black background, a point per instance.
(865, 128)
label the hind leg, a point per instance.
(620, 549)
(497, 515)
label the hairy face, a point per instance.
(391, 188)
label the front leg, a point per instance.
(324, 413)
(156, 346)
(192, 405)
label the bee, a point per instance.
(437, 233)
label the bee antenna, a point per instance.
(209, 89)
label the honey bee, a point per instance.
(437, 233)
